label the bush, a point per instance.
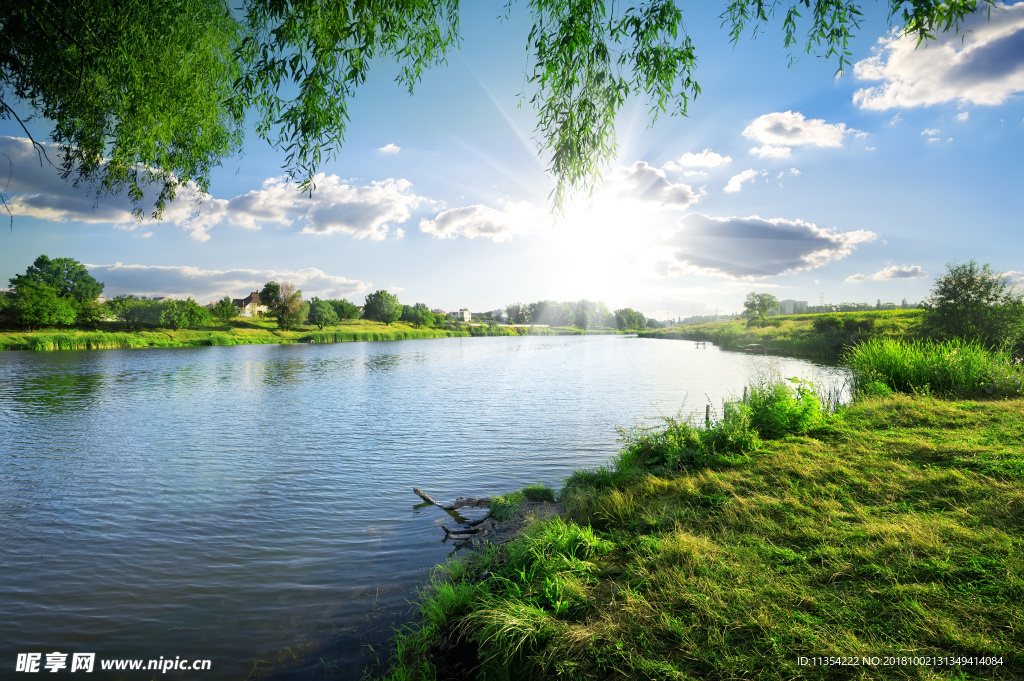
(974, 303)
(776, 410)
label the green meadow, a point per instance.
(819, 336)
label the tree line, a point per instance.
(60, 292)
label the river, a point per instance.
(253, 505)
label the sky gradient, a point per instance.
(782, 179)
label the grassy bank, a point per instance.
(821, 336)
(892, 530)
(245, 332)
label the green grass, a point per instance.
(892, 527)
(952, 368)
(822, 336)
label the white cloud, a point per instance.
(755, 248)
(205, 285)
(981, 64)
(963, 116)
(336, 205)
(647, 184)
(479, 221)
(898, 118)
(894, 272)
(931, 132)
(1014, 278)
(768, 151)
(789, 128)
(389, 148)
(736, 181)
(704, 159)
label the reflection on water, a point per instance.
(253, 504)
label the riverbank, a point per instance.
(253, 332)
(889, 534)
(818, 336)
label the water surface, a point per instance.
(252, 505)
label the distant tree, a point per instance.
(345, 309)
(321, 313)
(225, 310)
(417, 315)
(178, 314)
(518, 313)
(628, 319)
(69, 278)
(36, 305)
(973, 302)
(134, 311)
(758, 305)
(289, 309)
(653, 324)
(383, 307)
(270, 295)
(583, 319)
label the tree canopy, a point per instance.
(759, 304)
(158, 91)
(973, 302)
(382, 306)
(68, 277)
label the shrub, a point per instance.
(776, 410)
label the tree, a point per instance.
(321, 313)
(758, 305)
(270, 295)
(583, 319)
(418, 315)
(381, 306)
(68, 277)
(973, 302)
(628, 319)
(518, 313)
(37, 305)
(135, 311)
(289, 308)
(225, 310)
(345, 309)
(181, 313)
(158, 91)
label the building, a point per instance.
(499, 315)
(792, 306)
(462, 315)
(250, 305)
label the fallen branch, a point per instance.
(458, 503)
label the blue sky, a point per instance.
(782, 179)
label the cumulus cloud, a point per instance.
(754, 247)
(930, 132)
(736, 181)
(894, 272)
(703, 159)
(205, 285)
(479, 221)
(982, 64)
(336, 206)
(1014, 278)
(784, 129)
(645, 183)
(962, 116)
(389, 148)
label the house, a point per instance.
(499, 315)
(250, 305)
(439, 311)
(462, 315)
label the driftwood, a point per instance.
(471, 529)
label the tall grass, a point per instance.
(951, 368)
